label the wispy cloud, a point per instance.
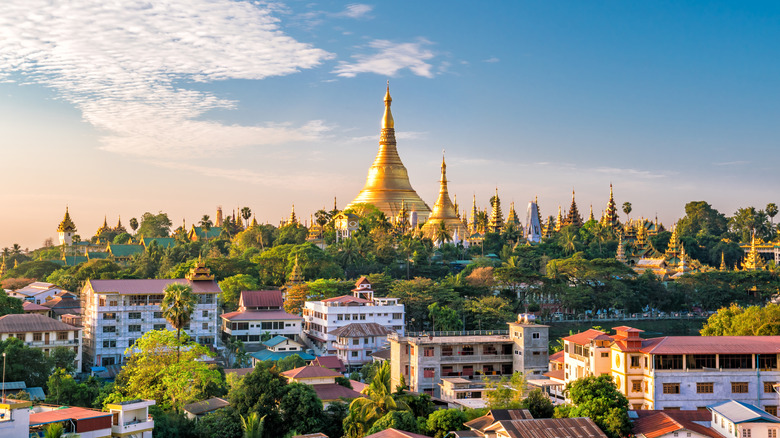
(492, 60)
(356, 11)
(635, 173)
(126, 65)
(731, 163)
(390, 58)
(314, 18)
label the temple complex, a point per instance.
(444, 212)
(387, 185)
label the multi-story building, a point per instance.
(42, 332)
(679, 372)
(322, 317)
(531, 349)
(118, 312)
(260, 312)
(355, 342)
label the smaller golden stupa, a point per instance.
(444, 212)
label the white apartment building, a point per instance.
(260, 312)
(322, 317)
(355, 342)
(679, 372)
(42, 332)
(118, 312)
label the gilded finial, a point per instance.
(387, 119)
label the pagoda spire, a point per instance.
(722, 262)
(474, 215)
(559, 220)
(293, 218)
(753, 260)
(444, 212)
(573, 218)
(590, 216)
(611, 213)
(621, 250)
(496, 223)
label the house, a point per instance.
(15, 418)
(30, 307)
(332, 362)
(356, 341)
(201, 408)
(12, 388)
(323, 381)
(43, 333)
(395, 433)
(62, 303)
(545, 428)
(87, 423)
(117, 312)
(260, 312)
(131, 418)
(280, 347)
(673, 424)
(323, 317)
(37, 292)
(740, 419)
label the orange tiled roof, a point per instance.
(585, 337)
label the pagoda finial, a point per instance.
(387, 119)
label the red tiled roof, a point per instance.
(360, 330)
(32, 322)
(67, 414)
(346, 299)
(585, 337)
(362, 280)
(550, 428)
(557, 357)
(259, 315)
(261, 298)
(556, 374)
(395, 433)
(712, 345)
(151, 286)
(653, 424)
(310, 372)
(32, 307)
(332, 362)
(357, 386)
(334, 391)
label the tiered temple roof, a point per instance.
(574, 217)
(496, 223)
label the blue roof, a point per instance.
(276, 355)
(276, 340)
(740, 412)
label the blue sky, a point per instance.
(180, 106)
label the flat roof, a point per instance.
(56, 415)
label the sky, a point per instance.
(120, 108)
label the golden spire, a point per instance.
(474, 214)
(573, 218)
(67, 223)
(254, 221)
(722, 262)
(559, 220)
(590, 216)
(753, 261)
(388, 183)
(611, 213)
(496, 223)
(293, 218)
(296, 275)
(512, 218)
(443, 210)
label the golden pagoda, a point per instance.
(66, 229)
(611, 214)
(590, 216)
(254, 222)
(296, 275)
(444, 212)
(674, 250)
(573, 218)
(293, 218)
(753, 260)
(474, 215)
(387, 184)
(722, 262)
(103, 228)
(621, 250)
(559, 220)
(199, 272)
(512, 218)
(119, 228)
(496, 222)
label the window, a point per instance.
(109, 329)
(112, 303)
(62, 336)
(109, 315)
(159, 327)
(604, 354)
(134, 315)
(205, 326)
(671, 388)
(158, 315)
(109, 343)
(771, 433)
(739, 387)
(356, 341)
(704, 387)
(134, 328)
(769, 387)
(767, 361)
(700, 361)
(535, 335)
(446, 350)
(636, 385)
(130, 342)
(205, 313)
(736, 361)
(668, 361)
(745, 433)
(340, 317)
(634, 361)
(566, 348)
(397, 315)
(362, 317)
(428, 373)
(37, 336)
(771, 410)
(354, 354)
(428, 351)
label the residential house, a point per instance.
(357, 341)
(43, 333)
(83, 422)
(739, 419)
(280, 347)
(332, 362)
(118, 312)
(131, 418)
(673, 424)
(37, 292)
(260, 312)
(196, 410)
(323, 381)
(518, 423)
(30, 307)
(15, 417)
(63, 303)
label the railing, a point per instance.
(477, 358)
(459, 333)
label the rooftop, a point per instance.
(205, 406)
(360, 330)
(549, 428)
(31, 322)
(310, 372)
(150, 286)
(334, 391)
(712, 345)
(259, 315)
(583, 338)
(740, 412)
(64, 414)
(395, 433)
(467, 337)
(653, 424)
(261, 298)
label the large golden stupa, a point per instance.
(444, 212)
(387, 185)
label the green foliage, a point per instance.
(171, 424)
(223, 423)
(54, 430)
(122, 238)
(701, 219)
(490, 312)
(154, 225)
(177, 306)
(343, 381)
(36, 270)
(445, 420)
(62, 389)
(538, 404)
(368, 371)
(379, 401)
(748, 220)
(260, 391)
(505, 393)
(744, 321)
(290, 362)
(401, 420)
(232, 287)
(599, 399)
(63, 357)
(24, 363)
(9, 305)
(253, 425)
(301, 408)
(443, 318)
(419, 293)
(333, 419)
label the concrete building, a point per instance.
(37, 292)
(131, 418)
(678, 372)
(260, 312)
(81, 422)
(357, 341)
(740, 419)
(323, 317)
(117, 312)
(15, 418)
(43, 333)
(280, 347)
(531, 346)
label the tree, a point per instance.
(400, 420)
(154, 225)
(301, 408)
(538, 404)
(441, 234)
(133, 224)
(505, 393)
(232, 287)
(627, 209)
(24, 363)
(701, 218)
(177, 306)
(444, 420)
(253, 425)
(771, 211)
(490, 312)
(444, 318)
(223, 423)
(153, 371)
(747, 221)
(378, 401)
(63, 357)
(599, 399)
(260, 391)
(64, 390)
(744, 321)
(296, 297)
(246, 213)
(9, 305)
(54, 430)
(289, 363)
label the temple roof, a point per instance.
(67, 223)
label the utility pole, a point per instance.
(4, 377)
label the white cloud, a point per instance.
(126, 66)
(389, 59)
(357, 10)
(491, 60)
(731, 163)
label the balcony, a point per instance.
(132, 427)
(466, 358)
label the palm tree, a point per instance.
(205, 225)
(627, 209)
(771, 211)
(177, 306)
(441, 234)
(253, 425)
(482, 221)
(246, 213)
(379, 398)
(54, 430)
(569, 240)
(134, 224)
(600, 233)
(16, 249)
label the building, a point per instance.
(673, 424)
(35, 308)
(66, 229)
(323, 317)
(518, 423)
(87, 423)
(131, 418)
(323, 381)
(740, 419)
(260, 312)
(678, 372)
(43, 333)
(531, 347)
(356, 342)
(387, 185)
(62, 304)
(395, 433)
(117, 312)
(37, 292)
(196, 410)
(280, 347)
(15, 417)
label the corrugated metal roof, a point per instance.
(712, 345)
(260, 315)
(395, 433)
(332, 362)
(346, 299)
(37, 418)
(261, 298)
(151, 286)
(361, 329)
(549, 428)
(205, 406)
(485, 421)
(740, 412)
(310, 372)
(32, 322)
